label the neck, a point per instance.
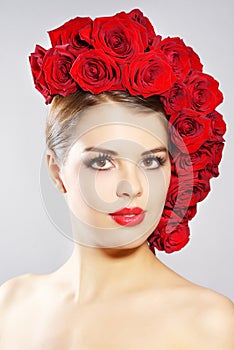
(96, 274)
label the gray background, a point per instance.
(29, 240)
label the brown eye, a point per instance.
(153, 162)
(148, 162)
(100, 163)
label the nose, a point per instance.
(130, 184)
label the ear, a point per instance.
(54, 170)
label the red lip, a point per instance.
(122, 216)
(128, 211)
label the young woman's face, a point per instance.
(119, 160)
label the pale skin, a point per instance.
(121, 297)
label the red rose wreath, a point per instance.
(122, 52)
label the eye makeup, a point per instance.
(102, 158)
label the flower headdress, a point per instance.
(122, 52)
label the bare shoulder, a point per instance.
(217, 321)
(9, 288)
(15, 289)
(207, 317)
(211, 301)
(213, 319)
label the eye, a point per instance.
(153, 162)
(100, 162)
(104, 162)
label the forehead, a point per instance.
(121, 121)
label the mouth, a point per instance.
(129, 216)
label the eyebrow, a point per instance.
(97, 149)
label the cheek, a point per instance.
(105, 185)
(70, 177)
(97, 189)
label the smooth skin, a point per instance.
(113, 297)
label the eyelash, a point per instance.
(106, 156)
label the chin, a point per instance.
(135, 244)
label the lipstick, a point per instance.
(129, 216)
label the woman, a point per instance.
(133, 140)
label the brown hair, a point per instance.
(64, 114)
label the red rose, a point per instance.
(186, 191)
(194, 60)
(176, 99)
(171, 151)
(218, 126)
(96, 72)
(196, 193)
(149, 74)
(172, 193)
(167, 213)
(170, 236)
(204, 91)
(208, 174)
(138, 16)
(117, 36)
(155, 240)
(69, 33)
(201, 158)
(184, 213)
(185, 163)
(36, 61)
(187, 214)
(156, 43)
(177, 239)
(180, 193)
(56, 66)
(189, 130)
(216, 149)
(201, 188)
(177, 55)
